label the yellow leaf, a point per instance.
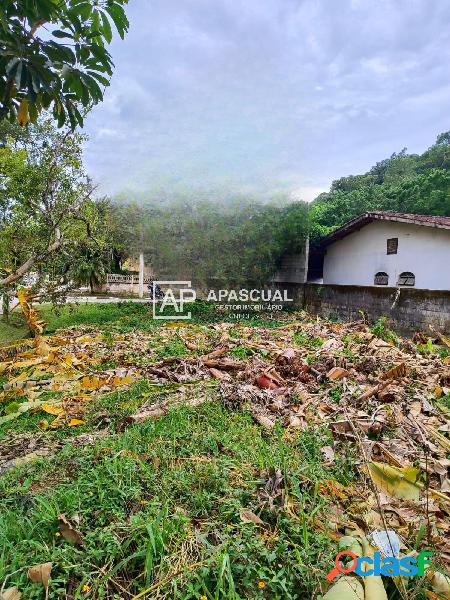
(3, 367)
(92, 383)
(52, 409)
(22, 113)
(76, 422)
(59, 422)
(116, 381)
(438, 392)
(401, 483)
(84, 339)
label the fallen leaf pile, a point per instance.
(386, 404)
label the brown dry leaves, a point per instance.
(41, 574)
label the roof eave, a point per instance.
(369, 217)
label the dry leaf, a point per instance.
(264, 382)
(22, 113)
(41, 574)
(69, 533)
(337, 373)
(395, 372)
(328, 454)
(247, 516)
(11, 593)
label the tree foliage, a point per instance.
(47, 212)
(240, 241)
(66, 68)
(409, 183)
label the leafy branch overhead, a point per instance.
(53, 55)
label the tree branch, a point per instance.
(26, 266)
(34, 28)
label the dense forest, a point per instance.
(410, 183)
(241, 240)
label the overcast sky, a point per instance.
(265, 96)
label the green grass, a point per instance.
(15, 329)
(304, 340)
(123, 316)
(164, 495)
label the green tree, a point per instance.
(90, 266)
(47, 210)
(66, 68)
(410, 183)
(234, 242)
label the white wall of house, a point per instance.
(424, 251)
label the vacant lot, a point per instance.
(215, 459)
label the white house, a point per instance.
(389, 249)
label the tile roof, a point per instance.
(380, 215)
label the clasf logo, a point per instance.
(177, 294)
(389, 566)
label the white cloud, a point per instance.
(266, 95)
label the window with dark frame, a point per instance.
(407, 279)
(381, 278)
(392, 245)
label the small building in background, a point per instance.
(389, 249)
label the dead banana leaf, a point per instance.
(401, 483)
(373, 584)
(346, 588)
(41, 574)
(441, 584)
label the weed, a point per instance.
(303, 340)
(444, 352)
(241, 352)
(173, 348)
(380, 330)
(427, 348)
(336, 393)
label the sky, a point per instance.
(268, 97)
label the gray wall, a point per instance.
(294, 267)
(414, 309)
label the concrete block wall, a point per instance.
(411, 310)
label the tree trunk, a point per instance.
(5, 306)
